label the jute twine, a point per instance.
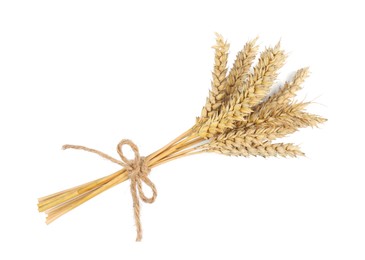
(138, 171)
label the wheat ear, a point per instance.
(218, 92)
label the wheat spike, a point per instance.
(280, 112)
(283, 96)
(281, 126)
(264, 150)
(218, 92)
(289, 90)
(264, 75)
(280, 149)
(279, 123)
(241, 68)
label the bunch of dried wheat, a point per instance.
(239, 118)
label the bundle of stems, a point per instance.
(239, 118)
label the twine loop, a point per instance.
(138, 171)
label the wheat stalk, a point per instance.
(238, 119)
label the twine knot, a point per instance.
(138, 171)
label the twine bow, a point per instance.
(138, 171)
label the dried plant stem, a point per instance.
(176, 140)
(53, 215)
(63, 196)
(58, 204)
(192, 151)
(49, 201)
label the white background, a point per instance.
(95, 72)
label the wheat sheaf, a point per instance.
(239, 118)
